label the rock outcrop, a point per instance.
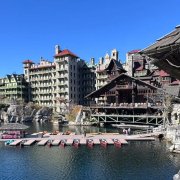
(43, 114)
(18, 113)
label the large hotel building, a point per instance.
(61, 83)
(68, 79)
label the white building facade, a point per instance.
(55, 84)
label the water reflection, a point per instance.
(137, 160)
(50, 127)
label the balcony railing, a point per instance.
(127, 105)
(124, 86)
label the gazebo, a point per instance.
(165, 53)
(13, 130)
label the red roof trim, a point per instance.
(40, 67)
(28, 62)
(134, 51)
(139, 68)
(163, 73)
(65, 53)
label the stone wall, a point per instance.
(176, 114)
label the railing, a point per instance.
(134, 105)
(143, 131)
(124, 87)
(124, 118)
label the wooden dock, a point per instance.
(123, 141)
(141, 139)
(69, 142)
(42, 142)
(56, 139)
(96, 141)
(29, 142)
(56, 142)
(46, 135)
(83, 141)
(16, 142)
(109, 141)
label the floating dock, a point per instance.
(141, 139)
(83, 141)
(56, 142)
(29, 142)
(109, 137)
(109, 141)
(16, 142)
(42, 142)
(96, 141)
(46, 135)
(69, 142)
(123, 141)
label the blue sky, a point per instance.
(29, 29)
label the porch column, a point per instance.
(117, 97)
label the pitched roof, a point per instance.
(172, 38)
(117, 63)
(139, 68)
(113, 82)
(28, 61)
(65, 52)
(134, 51)
(163, 73)
(176, 82)
(165, 53)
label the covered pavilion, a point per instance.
(165, 53)
(13, 130)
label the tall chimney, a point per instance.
(57, 49)
(101, 60)
(92, 61)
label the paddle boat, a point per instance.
(117, 143)
(62, 143)
(90, 142)
(22, 143)
(103, 142)
(76, 142)
(49, 143)
(8, 142)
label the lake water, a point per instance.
(135, 161)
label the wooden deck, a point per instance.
(96, 141)
(69, 141)
(56, 142)
(16, 142)
(29, 142)
(83, 141)
(42, 142)
(56, 139)
(109, 141)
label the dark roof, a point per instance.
(170, 39)
(134, 51)
(28, 62)
(112, 83)
(65, 52)
(117, 63)
(165, 53)
(13, 126)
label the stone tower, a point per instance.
(114, 54)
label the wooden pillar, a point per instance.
(117, 97)
(133, 94)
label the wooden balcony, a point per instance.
(124, 87)
(127, 106)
